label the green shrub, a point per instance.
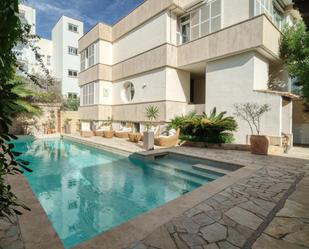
(214, 128)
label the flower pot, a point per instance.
(148, 140)
(259, 144)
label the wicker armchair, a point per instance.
(167, 141)
(124, 133)
(100, 131)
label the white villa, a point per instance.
(184, 55)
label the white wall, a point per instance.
(231, 80)
(63, 61)
(105, 52)
(235, 11)
(26, 54)
(154, 89)
(57, 62)
(45, 50)
(287, 111)
(177, 85)
(105, 94)
(147, 36)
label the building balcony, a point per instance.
(252, 34)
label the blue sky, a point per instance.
(88, 11)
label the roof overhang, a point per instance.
(286, 95)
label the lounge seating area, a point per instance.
(163, 137)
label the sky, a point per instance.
(89, 11)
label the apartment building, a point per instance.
(25, 55)
(65, 36)
(59, 55)
(184, 55)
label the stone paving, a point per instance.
(233, 218)
(290, 227)
(10, 236)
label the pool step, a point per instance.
(187, 169)
(179, 174)
(207, 168)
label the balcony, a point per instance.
(252, 34)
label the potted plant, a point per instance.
(152, 113)
(51, 126)
(67, 125)
(252, 113)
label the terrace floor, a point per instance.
(262, 205)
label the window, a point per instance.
(201, 21)
(263, 6)
(73, 27)
(87, 92)
(185, 28)
(83, 60)
(89, 56)
(72, 50)
(72, 183)
(72, 95)
(72, 73)
(278, 18)
(48, 60)
(72, 205)
(128, 92)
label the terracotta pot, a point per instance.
(259, 144)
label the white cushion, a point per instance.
(172, 132)
(126, 129)
(85, 126)
(104, 128)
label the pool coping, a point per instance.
(130, 231)
(35, 228)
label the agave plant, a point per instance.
(152, 113)
(213, 128)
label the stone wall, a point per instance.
(74, 123)
(24, 125)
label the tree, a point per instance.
(70, 104)
(13, 99)
(294, 51)
(251, 113)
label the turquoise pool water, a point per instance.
(86, 191)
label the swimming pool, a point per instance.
(86, 191)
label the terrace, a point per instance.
(264, 197)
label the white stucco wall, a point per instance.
(147, 36)
(45, 50)
(105, 52)
(287, 111)
(177, 85)
(235, 11)
(57, 62)
(231, 80)
(63, 61)
(105, 94)
(148, 87)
